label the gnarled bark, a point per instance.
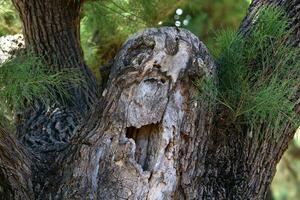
(51, 30)
(148, 137)
(143, 141)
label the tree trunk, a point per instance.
(147, 137)
(51, 29)
(241, 165)
(15, 169)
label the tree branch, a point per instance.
(15, 168)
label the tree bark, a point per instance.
(149, 134)
(241, 164)
(148, 137)
(15, 168)
(51, 29)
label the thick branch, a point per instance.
(147, 138)
(51, 29)
(15, 169)
(240, 163)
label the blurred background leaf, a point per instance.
(9, 20)
(106, 24)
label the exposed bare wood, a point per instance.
(148, 137)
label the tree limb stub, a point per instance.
(148, 117)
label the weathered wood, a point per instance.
(148, 137)
(143, 141)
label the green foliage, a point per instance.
(9, 20)
(24, 81)
(106, 24)
(259, 72)
(207, 90)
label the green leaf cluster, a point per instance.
(259, 72)
(24, 80)
(106, 24)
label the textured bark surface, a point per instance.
(148, 137)
(142, 141)
(15, 168)
(240, 164)
(51, 29)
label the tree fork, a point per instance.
(148, 137)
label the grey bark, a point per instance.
(148, 137)
(146, 130)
